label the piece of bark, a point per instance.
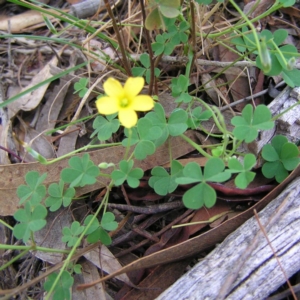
(247, 252)
(86, 9)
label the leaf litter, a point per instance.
(53, 104)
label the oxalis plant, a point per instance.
(151, 128)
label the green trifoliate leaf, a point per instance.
(108, 222)
(247, 125)
(281, 156)
(163, 182)
(31, 220)
(82, 172)
(126, 173)
(34, 191)
(71, 235)
(80, 86)
(202, 193)
(245, 176)
(58, 196)
(105, 127)
(62, 290)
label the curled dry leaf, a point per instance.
(32, 99)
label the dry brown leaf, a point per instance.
(51, 109)
(6, 138)
(103, 259)
(204, 214)
(31, 100)
(68, 141)
(35, 140)
(50, 236)
(89, 273)
(14, 175)
(238, 85)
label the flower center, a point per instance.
(124, 102)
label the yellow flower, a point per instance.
(124, 100)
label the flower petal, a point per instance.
(128, 118)
(133, 86)
(107, 105)
(142, 103)
(113, 88)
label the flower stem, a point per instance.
(195, 145)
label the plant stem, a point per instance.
(72, 252)
(250, 24)
(117, 32)
(152, 77)
(128, 143)
(34, 248)
(195, 145)
(273, 8)
(13, 260)
(79, 150)
(5, 224)
(285, 111)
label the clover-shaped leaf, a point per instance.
(58, 196)
(93, 230)
(291, 77)
(202, 193)
(62, 290)
(162, 45)
(80, 86)
(163, 8)
(105, 127)
(245, 175)
(206, 2)
(288, 52)
(31, 219)
(71, 235)
(143, 149)
(198, 116)
(247, 125)
(82, 172)
(96, 231)
(93, 226)
(99, 235)
(176, 125)
(132, 176)
(179, 86)
(162, 182)
(177, 34)
(280, 36)
(271, 58)
(281, 156)
(108, 222)
(143, 135)
(140, 71)
(34, 191)
(276, 67)
(287, 3)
